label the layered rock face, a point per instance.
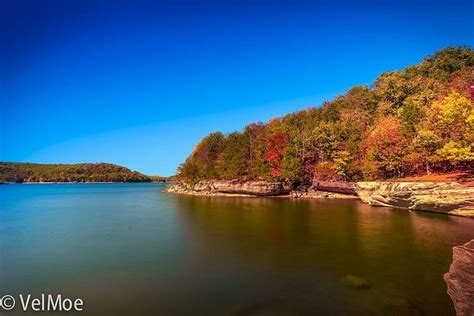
(460, 279)
(258, 188)
(440, 197)
(335, 187)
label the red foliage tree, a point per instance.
(463, 82)
(276, 146)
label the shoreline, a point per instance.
(89, 182)
(291, 195)
(449, 198)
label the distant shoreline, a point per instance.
(90, 182)
(25, 172)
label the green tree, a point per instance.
(445, 62)
(426, 143)
(326, 138)
(342, 165)
(292, 165)
(233, 161)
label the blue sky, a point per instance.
(138, 83)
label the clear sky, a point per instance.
(138, 83)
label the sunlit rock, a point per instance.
(460, 279)
(441, 197)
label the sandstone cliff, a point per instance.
(460, 279)
(222, 187)
(441, 197)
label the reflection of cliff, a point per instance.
(324, 241)
(460, 279)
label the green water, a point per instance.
(128, 249)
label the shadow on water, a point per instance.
(129, 249)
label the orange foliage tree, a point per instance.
(384, 149)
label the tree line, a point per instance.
(84, 172)
(417, 120)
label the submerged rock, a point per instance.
(460, 279)
(357, 282)
(441, 197)
(401, 306)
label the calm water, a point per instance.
(128, 249)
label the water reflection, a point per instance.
(403, 255)
(131, 250)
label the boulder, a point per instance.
(356, 282)
(460, 279)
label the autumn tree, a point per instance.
(233, 161)
(425, 144)
(451, 117)
(463, 82)
(292, 167)
(276, 147)
(201, 164)
(384, 149)
(419, 119)
(444, 62)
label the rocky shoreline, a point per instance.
(74, 182)
(460, 279)
(440, 197)
(231, 187)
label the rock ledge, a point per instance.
(460, 279)
(440, 197)
(234, 187)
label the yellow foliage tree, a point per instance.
(454, 115)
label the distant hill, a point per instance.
(161, 179)
(83, 172)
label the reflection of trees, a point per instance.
(275, 233)
(401, 253)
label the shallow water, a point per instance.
(128, 249)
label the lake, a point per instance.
(129, 249)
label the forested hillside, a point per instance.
(84, 172)
(415, 121)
